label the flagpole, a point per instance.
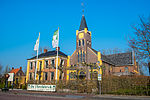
(37, 58)
(57, 56)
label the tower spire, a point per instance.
(83, 24)
(82, 4)
(83, 21)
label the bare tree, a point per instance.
(112, 51)
(141, 40)
(7, 69)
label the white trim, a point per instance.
(49, 58)
(82, 31)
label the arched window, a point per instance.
(83, 57)
(83, 42)
(79, 43)
(71, 75)
(78, 57)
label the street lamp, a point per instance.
(99, 76)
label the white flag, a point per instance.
(36, 47)
(55, 38)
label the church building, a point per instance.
(85, 60)
(84, 63)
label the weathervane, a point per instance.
(82, 4)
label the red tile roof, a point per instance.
(15, 70)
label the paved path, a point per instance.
(31, 95)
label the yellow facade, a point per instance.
(77, 32)
(68, 71)
(81, 35)
(42, 68)
(27, 74)
(85, 30)
(99, 58)
(68, 61)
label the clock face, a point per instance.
(81, 35)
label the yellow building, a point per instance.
(46, 67)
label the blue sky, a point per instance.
(20, 21)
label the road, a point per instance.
(26, 95)
(6, 96)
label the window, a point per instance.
(78, 58)
(60, 76)
(126, 69)
(83, 57)
(46, 63)
(35, 64)
(16, 80)
(30, 76)
(79, 43)
(40, 65)
(95, 74)
(71, 75)
(52, 75)
(31, 65)
(62, 63)
(46, 75)
(83, 42)
(39, 77)
(53, 62)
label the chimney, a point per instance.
(45, 50)
(57, 48)
(20, 68)
(12, 67)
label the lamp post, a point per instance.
(99, 76)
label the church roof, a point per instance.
(50, 54)
(107, 60)
(121, 59)
(83, 24)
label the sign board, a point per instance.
(99, 77)
(11, 77)
(36, 87)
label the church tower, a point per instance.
(84, 52)
(83, 40)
